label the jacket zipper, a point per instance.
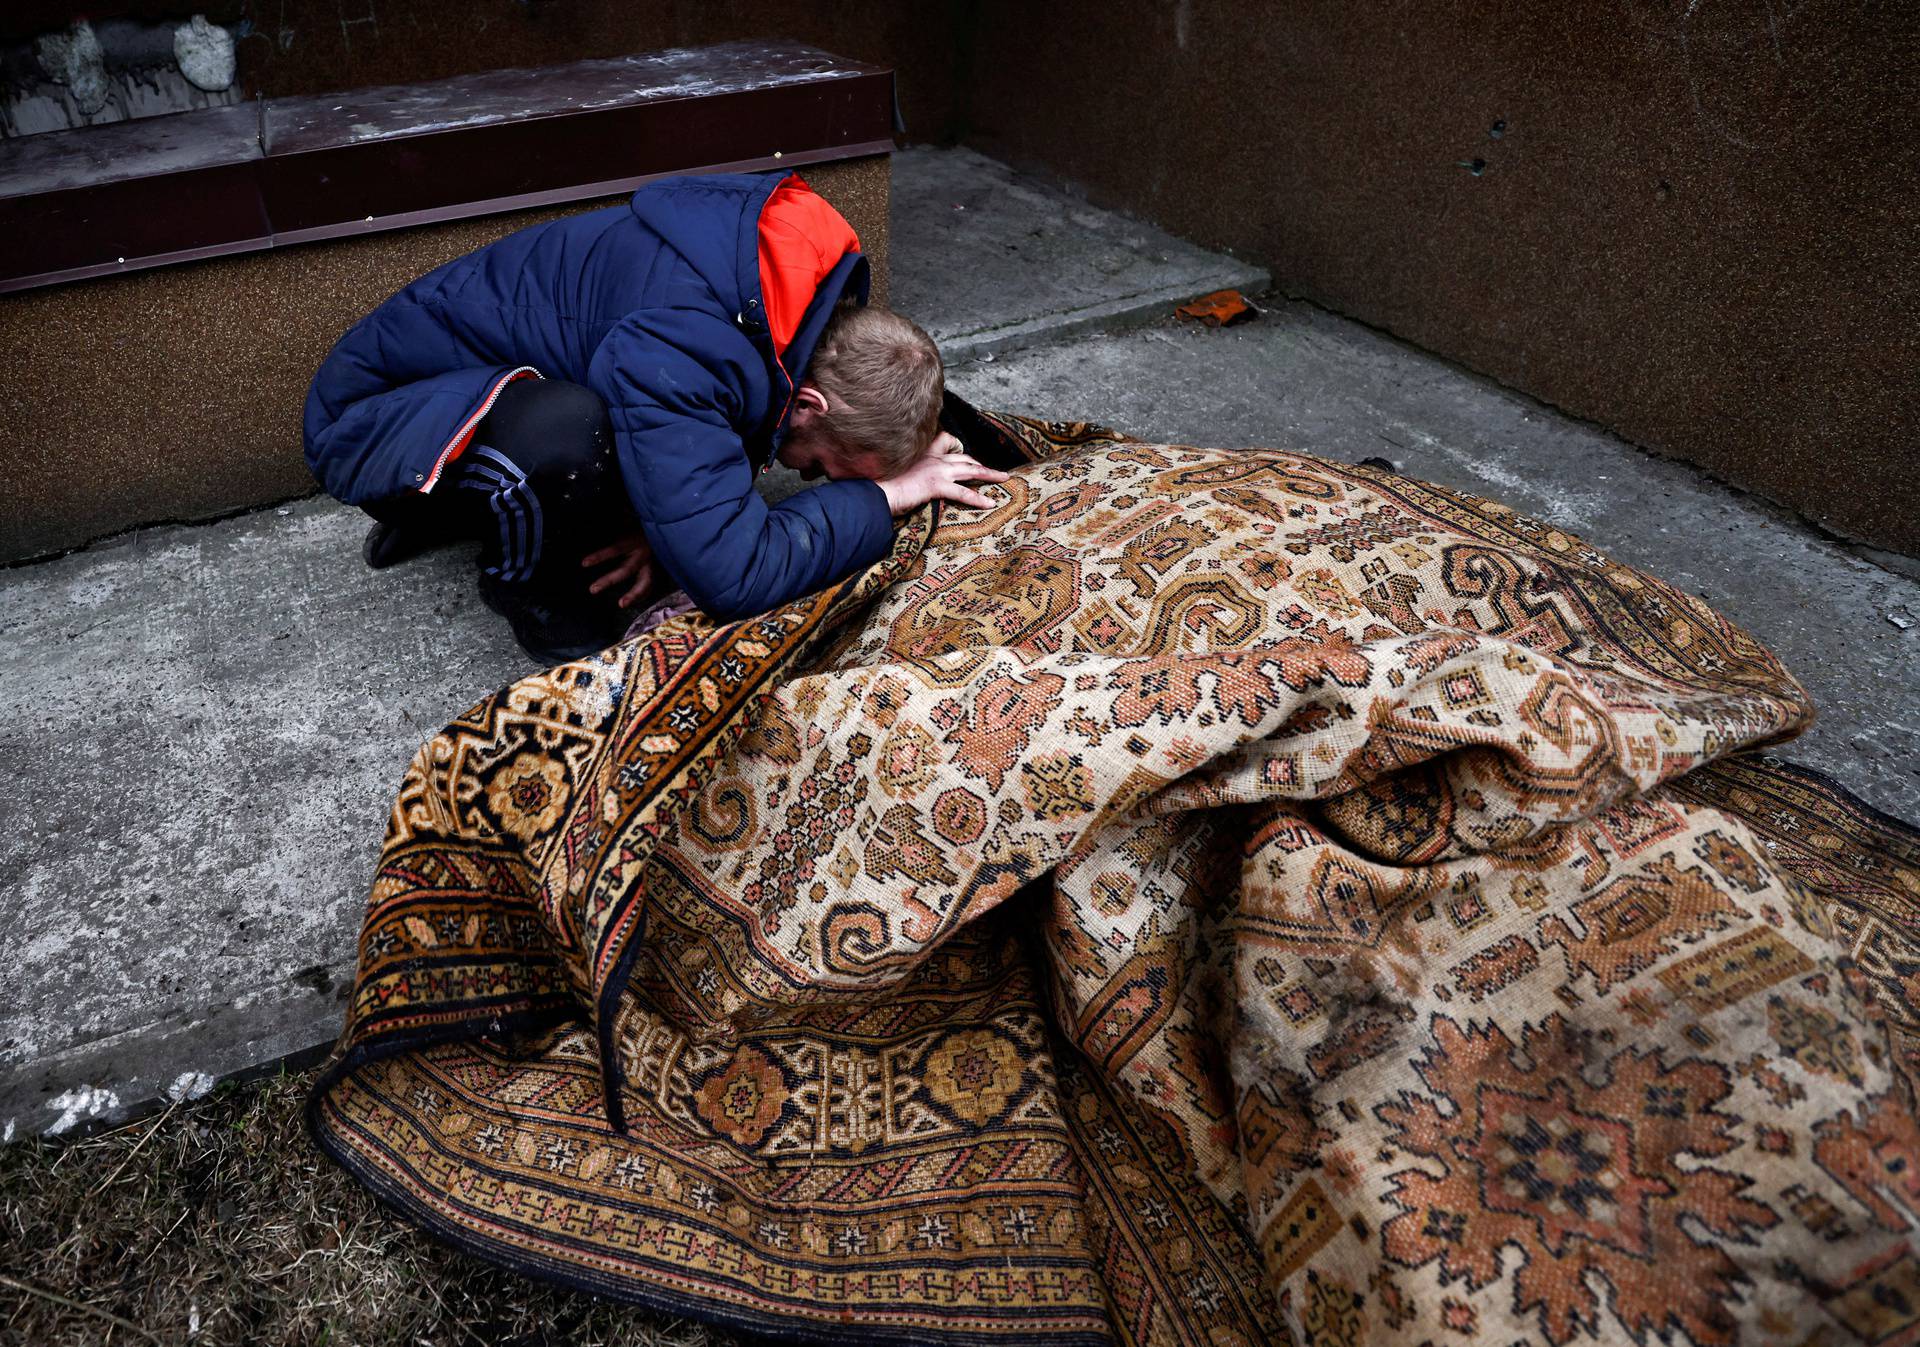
(467, 427)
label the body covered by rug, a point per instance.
(1210, 898)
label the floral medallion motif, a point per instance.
(528, 795)
(744, 1099)
(1525, 1153)
(907, 760)
(959, 816)
(974, 1074)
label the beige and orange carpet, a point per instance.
(1212, 897)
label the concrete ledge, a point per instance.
(104, 200)
(168, 1061)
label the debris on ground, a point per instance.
(218, 1222)
(1222, 308)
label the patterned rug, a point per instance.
(1213, 897)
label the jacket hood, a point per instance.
(713, 222)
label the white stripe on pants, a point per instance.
(515, 506)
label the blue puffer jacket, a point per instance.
(654, 305)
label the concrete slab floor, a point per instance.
(209, 724)
(1846, 625)
(987, 259)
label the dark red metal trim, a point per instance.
(102, 200)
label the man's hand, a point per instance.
(939, 475)
(627, 559)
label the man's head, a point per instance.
(870, 403)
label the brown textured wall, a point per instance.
(1697, 224)
(316, 46)
(176, 393)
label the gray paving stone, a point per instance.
(208, 726)
(989, 260)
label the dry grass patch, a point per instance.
(218, 1222)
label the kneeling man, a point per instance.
(592, 397)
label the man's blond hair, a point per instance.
(883, 380)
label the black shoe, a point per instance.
(389, 544)
(553, 628)
(976, 435)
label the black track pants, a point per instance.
(537, 485)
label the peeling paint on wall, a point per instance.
(204, 53)
(115, 70)
(73, 58)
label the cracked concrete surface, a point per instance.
(209, 721)
(213, 722)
